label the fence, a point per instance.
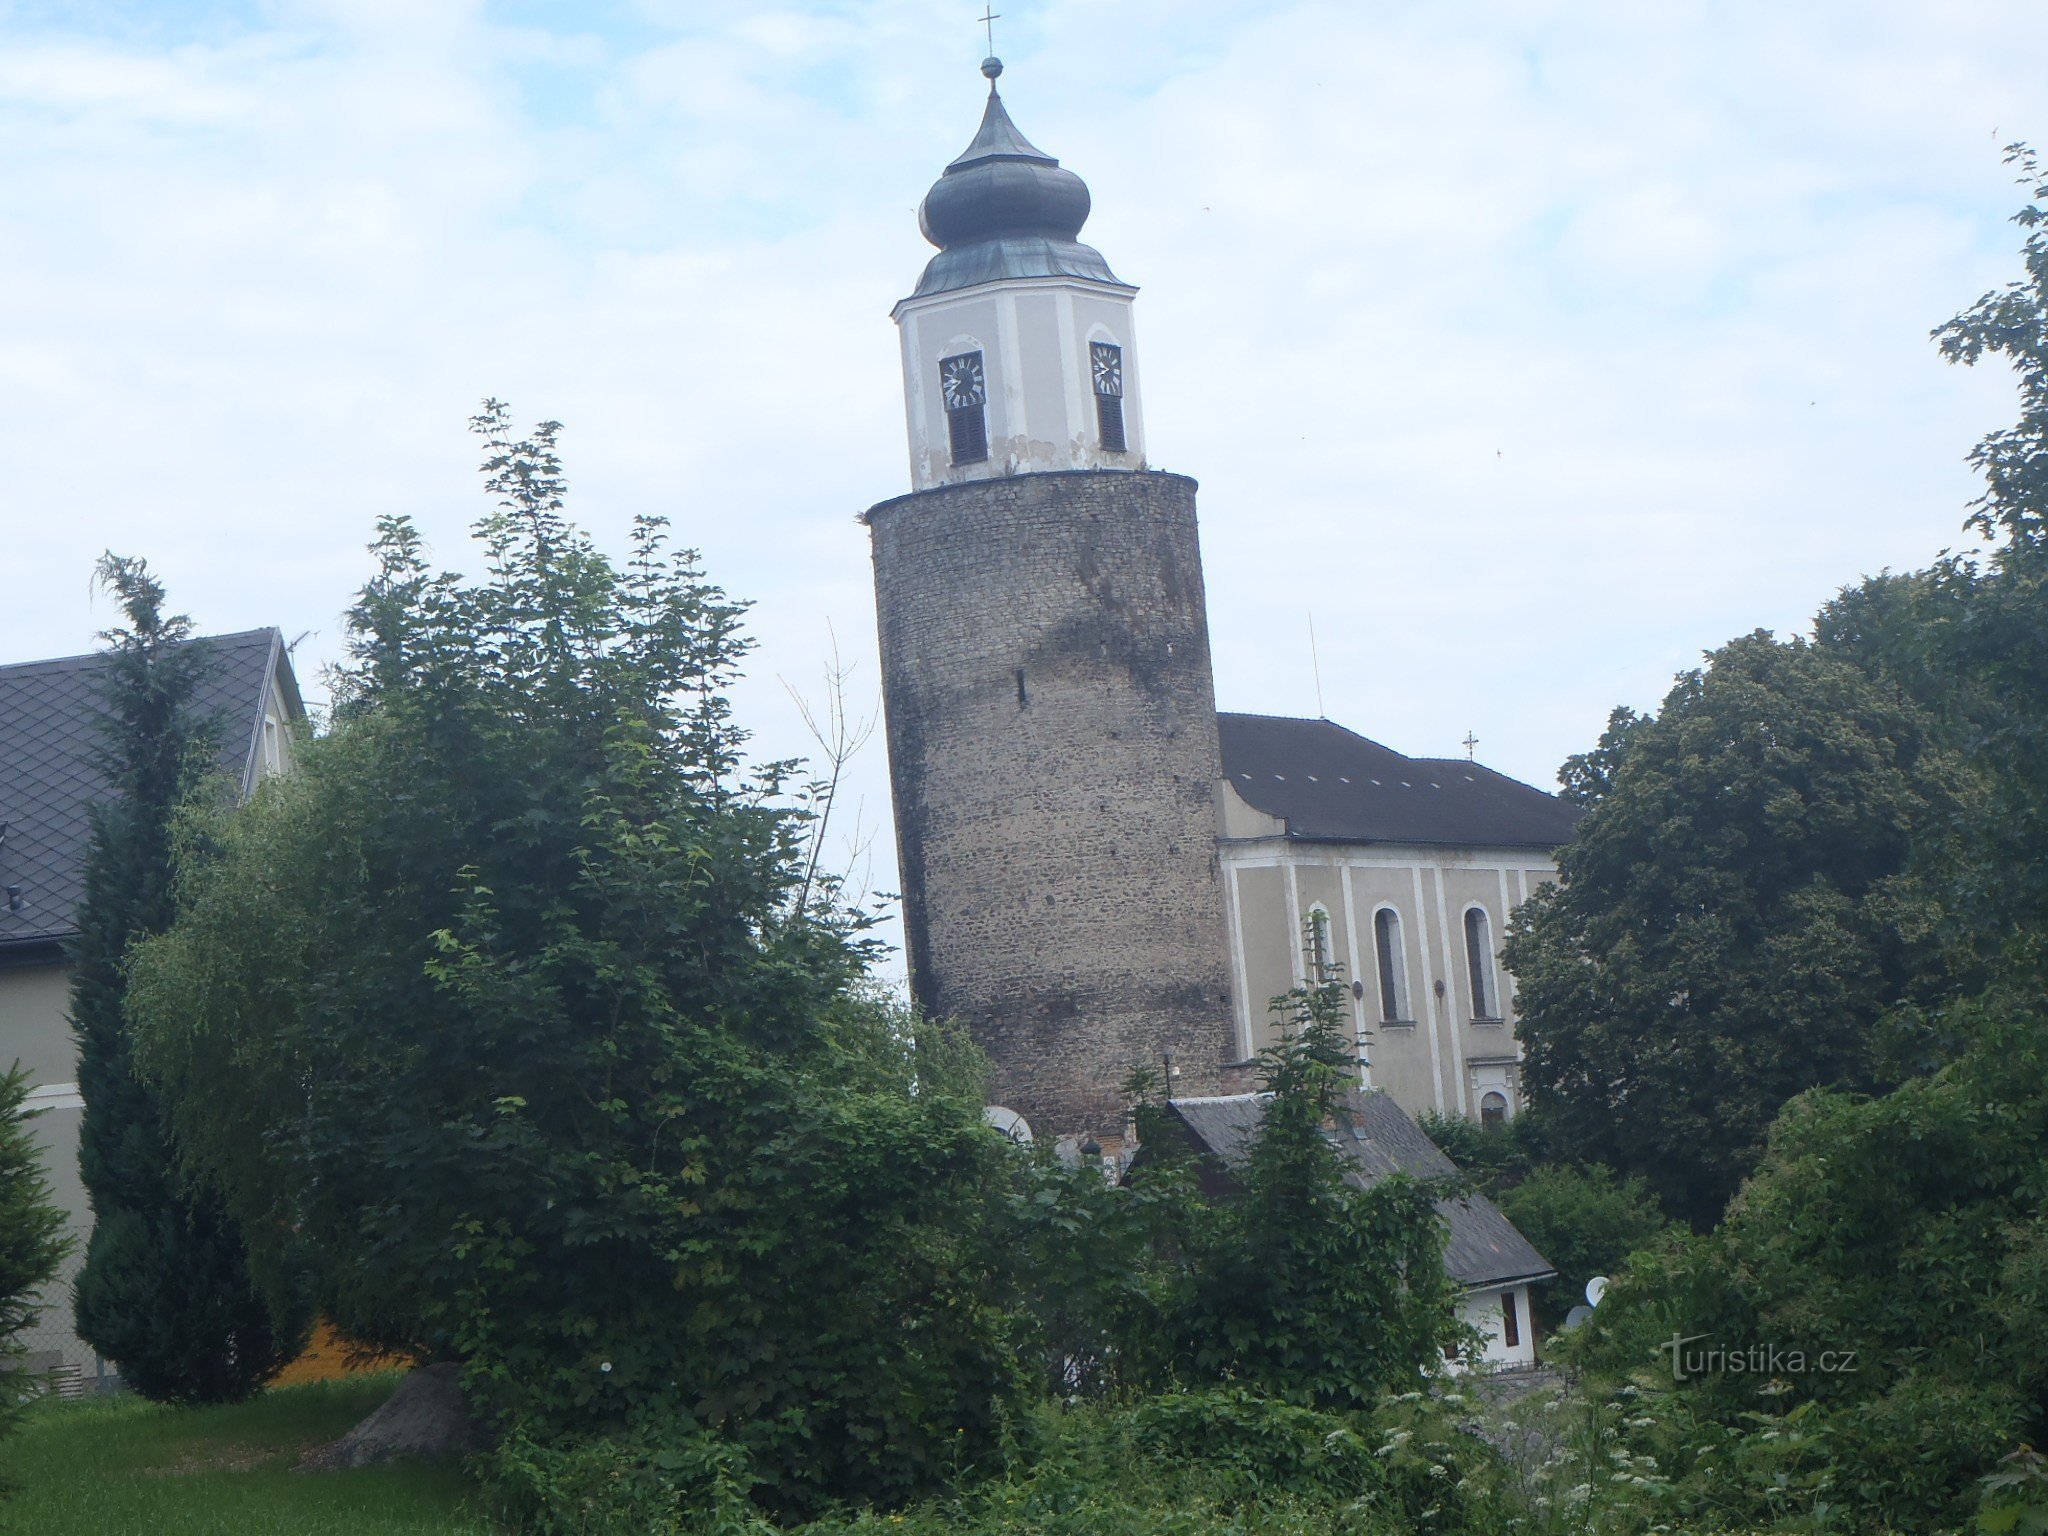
(54, 1359)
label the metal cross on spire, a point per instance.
(1471, 748)
(988, 18)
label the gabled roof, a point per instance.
(49, 735)
(1482, 1248)
(1332, 785)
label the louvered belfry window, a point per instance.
(963, 384)
(1106, 364)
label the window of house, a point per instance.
(1493, 1109)
(273, 751)
(1106, 365)
(1387, 951)
(1479, 959)
(963, 384)
(1510, 1321)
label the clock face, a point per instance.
(1108, 364)
(961, 381)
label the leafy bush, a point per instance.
(1492, 1156)
(32, 1241)
(1224, 1462)
(512, 1003)
(1586, 1222)
(1895, 1245)
(666, 1480)
(1298, 1282)
(1261, 1444)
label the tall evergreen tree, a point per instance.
(32, 1241)
(166, 1291)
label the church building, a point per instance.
(1100, 872)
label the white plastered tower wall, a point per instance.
(1037, 338)
(1018, 345)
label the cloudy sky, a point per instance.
(1532, 347)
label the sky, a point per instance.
(1526, 349)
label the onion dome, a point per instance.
(1005, 209)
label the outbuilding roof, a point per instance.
(1482, 1248)
(49, 737)
(1332, 785)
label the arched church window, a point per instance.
(1317, 946)
(1106, 364)
(1493, 1110)
(1387, 951)
(963, 384)
(1479, 961)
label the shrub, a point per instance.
(1898, 1237)
(514, 1005)
(1300, 1282)
(32, 1241)
(1586, 1222)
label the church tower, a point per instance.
(1045, 665)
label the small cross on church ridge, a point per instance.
(1471, 745)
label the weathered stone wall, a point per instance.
(1052, 748)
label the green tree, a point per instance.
(1898, 1245)
(1587, 776)
(1301, 1283)
(1999, 636)
(508, 1002)
(1586, 1222)
(1735, 914)
(1903, 1238)
(166, 1291)
(32, 1241)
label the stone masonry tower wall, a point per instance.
(1053, 753)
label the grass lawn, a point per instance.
(123, 1467)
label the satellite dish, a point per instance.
(1573, 1318)
(1595, 1289)
(1009, 1122)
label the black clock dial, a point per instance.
(1108, 364)
(962, 382)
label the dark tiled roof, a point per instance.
(1481, 1246)
(49, 733)
(1333, 785)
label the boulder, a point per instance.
(426, 1419)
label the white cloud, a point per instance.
(1533, 347)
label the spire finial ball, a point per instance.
(991, 66)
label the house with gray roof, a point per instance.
(50, 736)
(1399, 875)
(1493, 1264)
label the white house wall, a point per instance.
(35, 1030)
(1484, 1310)
(1445, 1056)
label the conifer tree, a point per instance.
(166, 1291)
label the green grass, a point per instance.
(123, 1467)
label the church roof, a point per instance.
(1004, 209)
(1481, 1246)
(49, 735)
(1332, 785)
